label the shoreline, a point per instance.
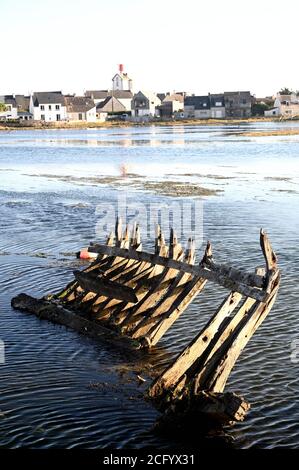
(37, 125)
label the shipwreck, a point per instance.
(132, 297)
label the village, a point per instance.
(123, 102)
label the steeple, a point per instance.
(121, 81)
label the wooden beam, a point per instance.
(105, 287)
(213, 273)
(230, 352)
(46, 310)
(270, 256)
(191, 289)
(173, 374)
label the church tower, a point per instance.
(121, 81)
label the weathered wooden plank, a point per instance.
(172, 374)
(168, 318)
(225, 332)
(67, 294)
(171, 291)
(100, 285)
(118, 231)
(238, 341)
(57, 314)
(201, 271)
(154, 293)
(270, 256)
(168, 299)
(206, 411)
(115, 310)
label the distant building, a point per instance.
(124, 96)
(25, 116)
(23, 103)
(217, 106)
(197, 107)
(237, 104)
(284, 105)
(145, 104)
(121, 80)
(161, 96)
(11, 111)
(110, 106)
(48, 106)
(97, 95)
(171, 105)
(80, 108)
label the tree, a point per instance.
(2, 107)
(285, 91)
(258, 109)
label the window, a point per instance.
(204, 105)
(218, 103)
(80, 116)
(42, 116)
(244, 101)
(57, 117)
(57, 107)
(50, 107)
(42, 107)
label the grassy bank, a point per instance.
(276, 132)
(115, 124)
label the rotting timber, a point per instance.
(131, 297)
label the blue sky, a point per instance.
(193, 45)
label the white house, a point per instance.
(144, 103)
(121, 81)
(48, 106)
(80, 108)
(284, 105)
(11, 111)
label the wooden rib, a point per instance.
(270, 256)
(118, 231)
(225, 332)
(146, 271)
(103, 286)
(173, 374)
(114, 267)
(130, 279)
(168, 300)
(158, 239)
(67, 293)
(154, 293)
(229, 353)
(202, 271)
(191, 289)
(119, 314)
(190, 252)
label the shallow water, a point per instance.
(60, 389)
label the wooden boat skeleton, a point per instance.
(137, 296)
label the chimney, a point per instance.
(121, 68)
